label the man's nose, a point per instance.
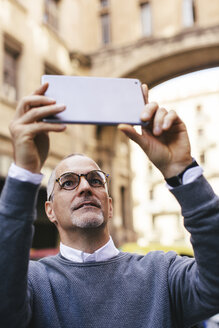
(83, 184)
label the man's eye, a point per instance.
(96, 182)
(67, 184)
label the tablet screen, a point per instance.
(96, 100)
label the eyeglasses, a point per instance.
(70, 180)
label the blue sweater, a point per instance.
(128, 291)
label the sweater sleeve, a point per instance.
(17, 213)
(194, 284)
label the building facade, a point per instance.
(111, 38)
(39, 38)
(195, 97)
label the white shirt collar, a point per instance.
(104, 253)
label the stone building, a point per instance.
(116, 38)
(49, 37)
(195, 97)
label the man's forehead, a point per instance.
(77, 164)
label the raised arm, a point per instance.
(193, 285)
(18, 205)
(29, 133)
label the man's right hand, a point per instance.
(30, 134)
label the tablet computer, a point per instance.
(95, 100)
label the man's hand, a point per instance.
(165, 140)
(30, 134)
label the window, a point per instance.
(202, 158)
(123, 202)
(45, 232)
(104, 3)
(200, 132)
(151, 194)
(188, 13)
(105, 28)
(12, 52)
(199, 109)
(51, 13)
(99, 130)
(146, 20)
(150, 167)
(105, 22)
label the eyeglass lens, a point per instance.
(71, 180)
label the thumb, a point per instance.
(131, 133)
(42, 89)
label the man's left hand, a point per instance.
(164, 140)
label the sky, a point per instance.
(185, 85)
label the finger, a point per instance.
(130, 132)
(32, 101)
(38, 113)
(159, 120)
(42, 89)
(169, 119)
(145, 92)
(39, 127)
(149, 111)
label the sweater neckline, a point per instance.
(116, 258)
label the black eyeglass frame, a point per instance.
(79, 179)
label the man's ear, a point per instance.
(110, 207)
(50, 213)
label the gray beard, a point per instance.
(86, 223)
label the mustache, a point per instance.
(86, 201)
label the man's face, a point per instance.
(83, 207)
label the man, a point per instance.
(90, 283)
